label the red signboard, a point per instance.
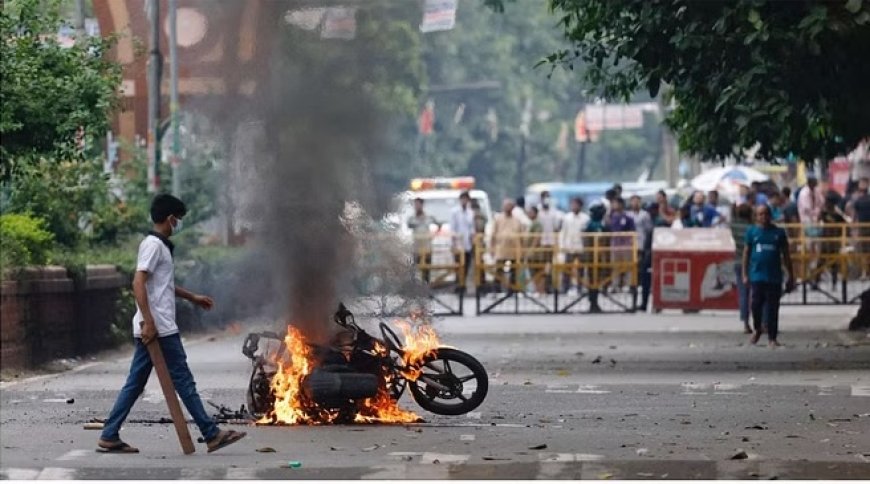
(694, 269)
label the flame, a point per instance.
(421, 343)
(293, 407)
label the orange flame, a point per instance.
(293, 407)
(421, 343)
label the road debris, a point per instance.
(335, 449)
(266, 450)
(597, 360)
(740, 455)
(489, 457)
(294, 464)
(371, 448)
(756, 427)
(538, 447)
(642, 451)
(605, 476)
(645, 474)
(94, 426)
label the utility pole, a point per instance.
(173, 99)
(155, 65)
(80, 18)
(525, 127)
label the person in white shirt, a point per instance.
(571, 239)
(154, 323)
(462, 228)
(550, 219)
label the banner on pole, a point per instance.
(339, 23)
(438, 15)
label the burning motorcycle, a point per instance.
(359, 377)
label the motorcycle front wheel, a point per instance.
(452, 383)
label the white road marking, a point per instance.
(591, 389)
(726, 389)
(76, 454)
(431, 457)
(860, 391)
(54, 400)
(390, 472)
(152, 397)
(199, 474)
(558, 457)
(550, 470)
(16, 474)
(56, 474)
(241, 473)
(694, 388)
(466, 438)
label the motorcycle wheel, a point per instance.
(457, 371)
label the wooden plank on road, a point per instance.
(171, 398)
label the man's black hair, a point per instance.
(521, 201)
(165, 205)
(610, 194)
(418, 199)
(578, 200)
(465, 194)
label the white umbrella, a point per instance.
(727, 177)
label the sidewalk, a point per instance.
(792, 318)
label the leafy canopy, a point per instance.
(791, 76)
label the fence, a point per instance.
(597, 272)
(831, 262)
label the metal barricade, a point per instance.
(831, 262)
(441, 265)
(518, 274)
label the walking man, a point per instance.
(154, 323)
(765, 250)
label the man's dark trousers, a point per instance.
(765, 307)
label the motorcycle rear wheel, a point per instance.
(455, 400)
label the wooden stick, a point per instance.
(170, 397)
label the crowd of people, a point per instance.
(545, 233)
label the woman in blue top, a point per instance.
(765, 250)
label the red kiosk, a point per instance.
(693, 269)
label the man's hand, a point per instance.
(204, 302)
(149, 331)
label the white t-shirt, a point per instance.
(155, 259)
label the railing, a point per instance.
(598, 272)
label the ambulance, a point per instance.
(440, 198)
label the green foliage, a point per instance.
(789, 75)
(23, 241)
(488, 49)
(51, 95)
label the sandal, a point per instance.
(225, 438)
(116, 447)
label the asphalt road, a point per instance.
(672, 396)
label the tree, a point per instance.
(788, 75)
(54, 104)
(54, 98)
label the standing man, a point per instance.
(621, 247)
(507, 241)
(419, 224)
(550, 219)
(740, 223)
(765, 250)
(154, 323)
(462, 228)
(571, 240)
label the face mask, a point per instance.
(177, 227)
